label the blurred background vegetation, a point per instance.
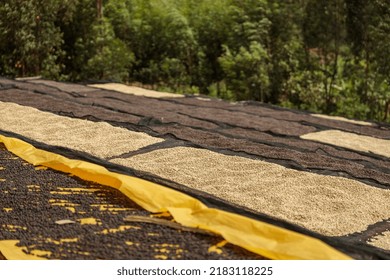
(327, 56)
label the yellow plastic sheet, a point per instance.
(264, 239)
(12, 252)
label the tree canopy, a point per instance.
(328, 56)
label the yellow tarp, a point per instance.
(264, 239)
(12, 252)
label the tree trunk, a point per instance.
(387, 110)
(99, 8)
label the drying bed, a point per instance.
(261, 161)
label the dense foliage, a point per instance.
(330, 56)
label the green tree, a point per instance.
(324, 35)
(251, 23)
(163, 43)
(30, 42)
(212, 23)
(76, 35)
(286, 48)
(93, 49)
(246, 72)
(110, 58)
(368, 26)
